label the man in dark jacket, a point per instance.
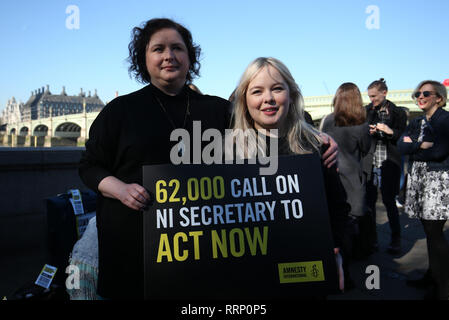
(382, 165)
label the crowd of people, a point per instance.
(134, 130)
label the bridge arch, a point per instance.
(68, 130)
(24, 131)
(40, 130)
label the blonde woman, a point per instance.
(426, 140)
(267, 97)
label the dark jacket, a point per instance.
(130, 132)
(397, 121)
(437, 131)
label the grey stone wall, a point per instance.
(28, 176)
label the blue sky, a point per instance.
(323, 42)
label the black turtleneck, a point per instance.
(175, 106)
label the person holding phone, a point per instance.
(382, 164)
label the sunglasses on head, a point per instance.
(426, 94)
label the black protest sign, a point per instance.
(225, 232)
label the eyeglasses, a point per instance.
(426, 94)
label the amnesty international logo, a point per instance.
(315, 271)
(307, 271)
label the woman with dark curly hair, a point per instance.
(139, 45)
(134, 130)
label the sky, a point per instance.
(84, 43)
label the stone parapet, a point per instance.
(28, 176)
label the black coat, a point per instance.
(130, 132)
(437, 131)
(397, 121)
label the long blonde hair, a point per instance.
(302, 138)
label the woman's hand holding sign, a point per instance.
(132, 195)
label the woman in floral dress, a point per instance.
(426, 140)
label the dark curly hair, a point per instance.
(139, 42)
